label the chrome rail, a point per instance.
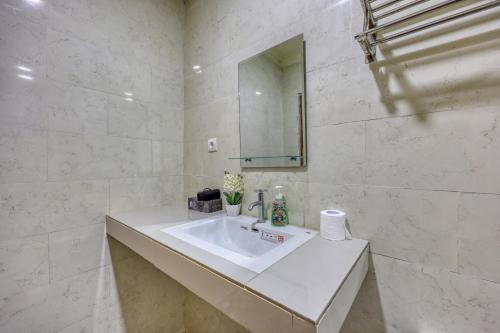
(368, 38)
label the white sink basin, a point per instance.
(232, 239)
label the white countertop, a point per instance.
(305, 281)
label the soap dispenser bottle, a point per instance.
(279, 215)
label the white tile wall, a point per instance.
(72, 149)
(408, 146)
(479, 235)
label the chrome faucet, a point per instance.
(259, 203)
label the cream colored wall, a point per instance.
(72, 149)
(409, 147)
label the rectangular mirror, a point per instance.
(272, 107)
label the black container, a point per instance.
(208, 194)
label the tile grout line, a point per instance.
(457, 217)
(47, 155)
(388, 117)
(48, 258)
(108, 188)
(367, 185)
(441, 269)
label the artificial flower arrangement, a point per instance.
(233, 191)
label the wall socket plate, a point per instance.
(212, 145)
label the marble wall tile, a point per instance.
(133, 119)
(98, 157)
(336, 154)
(172, 122)
(334, 94)
(197, 158)
(417, 226)
(168, 158)
(214, 31)
(211, 30)
(77, 110)
(192, 125)
(52, 307)
(215, 163)
(414, 152)
(217, 119)
(175, 187)
(71, 204)
(78, 62)
(82, 326)
(22, 206)
(104, 311)
(328, 37)
(253, 21)
(21, 99)
(479, 236)
(465, 79)
(167, 87)
(21, 41)
(89, 64)
(193, 157)
(114, 16)
(24, 264)
(36, 208)
(193, 184)
(70, 17)
(134, 193)
(381, 138)
(141, 29)
(77, 250)
(322, 196)
(214, 82)
(22, 9)
(438, 300)
(23, 155)
(84, 56)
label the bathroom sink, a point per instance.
(232, 239)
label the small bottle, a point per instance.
(279, 216)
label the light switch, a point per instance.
(212, 145)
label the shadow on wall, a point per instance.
(150, 301)
(440, 77)
(201, 317)
(366, 314)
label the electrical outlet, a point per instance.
(212, 145)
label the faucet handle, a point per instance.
(260, 190)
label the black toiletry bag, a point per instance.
(208, 194)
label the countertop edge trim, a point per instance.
(194, 261)
(365, 248)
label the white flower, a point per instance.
(233, 182)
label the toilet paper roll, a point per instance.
(333, 225)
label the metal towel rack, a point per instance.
(376, 10)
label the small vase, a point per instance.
(233, 210)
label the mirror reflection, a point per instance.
(272, 107)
